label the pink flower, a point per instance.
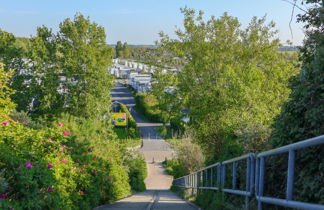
(63, 160)
(50, 189)
(49, 138)
(49, 165)
(4, 123)
(43, 142)
(94, 159)
(3, 196)
(58, 162)
(95, 172)
(80, 171)
(61, 151)
(29, 165)
(19, 167)
(66, 133)
(82, 192)
(74, 167)
(78, 160)
(60, 124)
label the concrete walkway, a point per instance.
(157, 195)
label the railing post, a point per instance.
(234, 176)
(290, 175)
(257, 170)
(261, 181)
(206, 178)
(223, 175)
(198, 181)
(219, 172)
(211, 176)
(252, 173)
(247, 187)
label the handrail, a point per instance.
(203, 179)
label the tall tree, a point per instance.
(67, 71)
(119, 49)
(84, 58)
(302, 116)
(234, 78)
(126, 51)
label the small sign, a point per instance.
(119, 119)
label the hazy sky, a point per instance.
(139, 21)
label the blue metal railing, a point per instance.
(204, 179)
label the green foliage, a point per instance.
(146, 105)
(23, 118)
(168, 99)
(8, 50)
(67, 71)
(6, 105)
(131, 120)
(77, 163)
(119, 49)
(90, 183)
(174, 168)
(125, 51)
(129, 132)
(137, 171)
(185, 163)
(234, 77)
(302, 115)
(122, 50)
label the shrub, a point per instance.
(131, 120)
(51, 169)
(174, 168)
(137, 171)
(146, 105)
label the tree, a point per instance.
(125, 51)
(67, 71)
(232, 78)
(302, 116)
(84, 58)
(119, 49)
(11, 55)
(8, 51)
(164, 90)
(6, 105)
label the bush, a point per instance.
(49, 169)
(146, 105)
(174, 168)
(26, 120)
(131, 120)
(137, 171)
(185, 163)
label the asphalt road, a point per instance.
(155, 150)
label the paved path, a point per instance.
(157, 196)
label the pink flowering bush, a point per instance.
(37, 175)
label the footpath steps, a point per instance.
(158, 183)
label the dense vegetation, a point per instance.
(146, 106)
(59, 149)
(245, 96)
(233, 84)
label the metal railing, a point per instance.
(205, 178)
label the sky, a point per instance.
(140, 21)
